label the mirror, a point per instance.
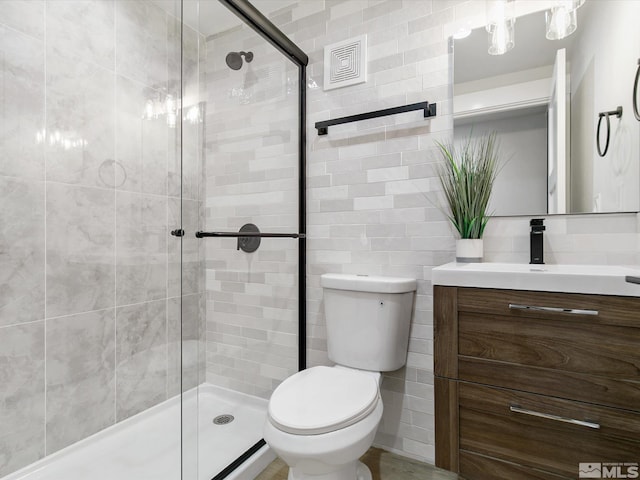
(545, 98)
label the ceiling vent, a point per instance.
(345, 63)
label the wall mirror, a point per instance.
(545, 99)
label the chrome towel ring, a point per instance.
(635, 93)
(618, 113)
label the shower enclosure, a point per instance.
(130, 348)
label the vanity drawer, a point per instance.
(591, 348)
(577, 308)
(591, 362)
(544, 381)
(533, 431)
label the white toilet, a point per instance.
(321, 420)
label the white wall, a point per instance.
(582, 145)
(614, 56)
(370, 184)
(521, 184)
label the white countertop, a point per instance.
(595, 279)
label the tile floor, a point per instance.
(384, 466)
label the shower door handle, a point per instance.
(201, 234)
(249, 236)
(178, 232)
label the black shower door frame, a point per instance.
(263, 26)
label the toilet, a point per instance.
(322, 420)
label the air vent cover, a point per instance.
(345, 63)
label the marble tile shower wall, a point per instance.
(89, 279)
(371, 184)
(252, 177)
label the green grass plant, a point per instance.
(467, 176)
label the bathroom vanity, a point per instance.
(537, 369)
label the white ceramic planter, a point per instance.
(469, 250)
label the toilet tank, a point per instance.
(368, 320)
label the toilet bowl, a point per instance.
(322, 420)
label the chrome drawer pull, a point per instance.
(576, 311)
(548, 416)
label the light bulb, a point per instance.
(193, 115)
(562, 19)
(501, 26)
(171, 120)
(170, 104)
(148, 110)
(501, 37)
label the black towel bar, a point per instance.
(429, 111)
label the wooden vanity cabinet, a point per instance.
(530, 384)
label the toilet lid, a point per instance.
(321, 400)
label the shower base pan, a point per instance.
(148, 446)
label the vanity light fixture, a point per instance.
(501, 26)
(562, 19)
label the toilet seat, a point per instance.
(322, 400)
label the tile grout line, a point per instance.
(115, 219)
(167, 263)
(80, 185)
(19, 324)
(44, 149)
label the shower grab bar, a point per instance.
(618, 113)
(429, 111)
(635, 93)
(201, 234)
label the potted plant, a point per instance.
(467, 175)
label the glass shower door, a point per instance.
(240, 171)
(189, 259)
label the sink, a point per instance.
(595, 279)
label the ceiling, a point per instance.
(210, 16)
(532, 50)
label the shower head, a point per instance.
(234, 59)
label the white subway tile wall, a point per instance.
(385, 221)
(251, 173)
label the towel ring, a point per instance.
(635, 93)
(618, 113)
